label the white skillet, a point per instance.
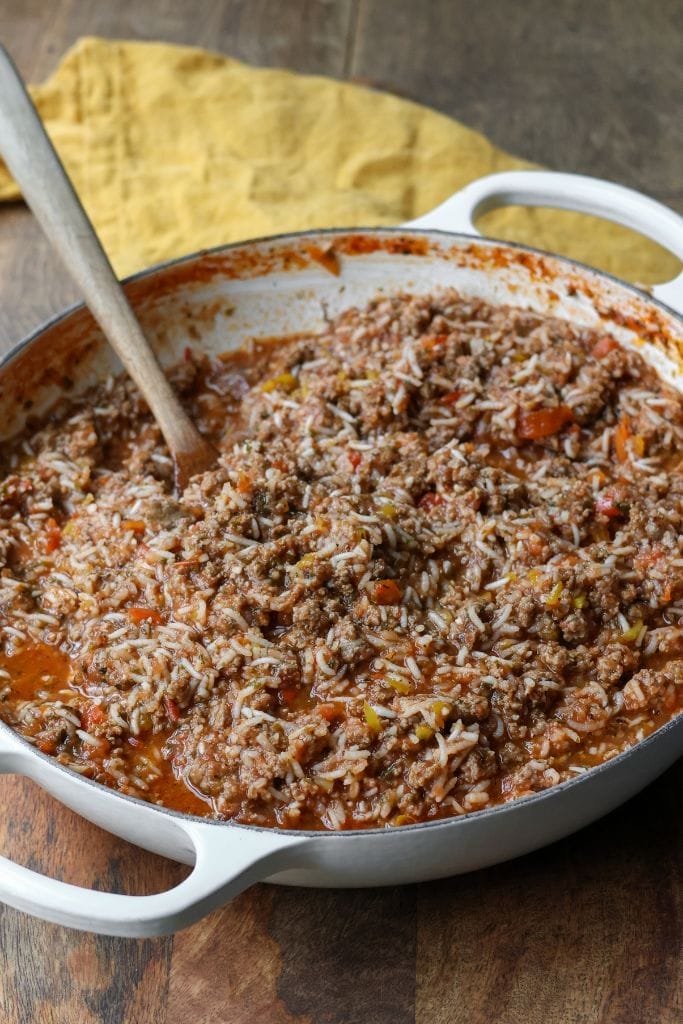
(275, 286)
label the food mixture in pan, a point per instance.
(437, 568)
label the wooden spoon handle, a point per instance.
(35, 166)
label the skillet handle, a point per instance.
(566, 192)
(227, 860)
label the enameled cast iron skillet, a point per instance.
(276, 286)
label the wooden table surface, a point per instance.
(585, 932)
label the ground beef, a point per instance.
(437, 566)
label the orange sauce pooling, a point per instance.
(36, 670)
(43, 672)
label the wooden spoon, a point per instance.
(35, 166)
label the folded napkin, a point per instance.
(174, 149)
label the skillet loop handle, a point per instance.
(575, 192)
(227, 860)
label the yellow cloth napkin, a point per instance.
(174, 149)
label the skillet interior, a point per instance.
(273, 287)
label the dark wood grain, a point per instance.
(311, 36)
(360, 947)
(58, 976)
(586, 932)
(33, 284)
(227, 969)
(307, 35)
(580, 86)
(288, 956)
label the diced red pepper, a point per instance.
(450, 398)
(133, 525)
(144, 615)
(52, 536)
(649, 557)
(626, 443)
(622, 434)
(386, 592)
(355, 458)
(330, 712)
(244, 483)
(604, 346)
(91, 716)
(543, 422)
(430, 500)
(172, 709)
(607, 506)
(432, 340)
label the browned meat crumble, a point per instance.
(438, 567)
